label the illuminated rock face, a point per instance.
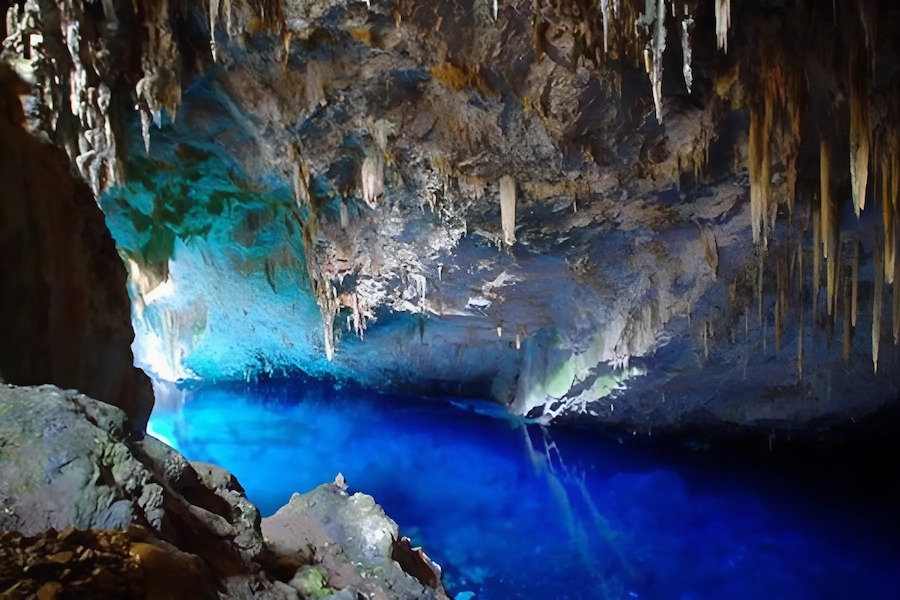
(329, 199)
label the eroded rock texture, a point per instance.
(160, 527)
(64, 312)
(637, 213)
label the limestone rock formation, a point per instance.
(79, 491)
(316, 188)
(346, 535)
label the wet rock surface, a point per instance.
(133, 508)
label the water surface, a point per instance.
(519, 511)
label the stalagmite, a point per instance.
(859, 131)
(877, 303)
(508, 209)
(723, 23)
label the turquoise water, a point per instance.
(516, 511)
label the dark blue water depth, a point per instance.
(516, 511)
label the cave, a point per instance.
(470, 299)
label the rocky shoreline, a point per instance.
(94, 510)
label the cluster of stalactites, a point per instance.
(775, 116)
(67, 63)
(650, 29)
(160, 87)
(242, 15)
(653, 24)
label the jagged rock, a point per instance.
(70, 461)
(242, 516)
(348, 538)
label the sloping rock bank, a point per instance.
(161, 527)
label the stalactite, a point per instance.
(213, 19)
(653, 23)
(859, 129)
(372, 178)
(817, 260)
(508, 209)
(687, 24)
(779, 303)
(723, 23)
(710, 249)
(887, 214)
(877, 304)
(315, 86)
(790, 146)
(832, 276)
(658, 48)
(854, 283)
(800, 311)
(782, 282)
(604, 12)
(300, 178)
(759, 173)
(896, 307)
(344, 214)
(759, 286)
(848, 326)
(829, 227)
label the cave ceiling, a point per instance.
(649, 214)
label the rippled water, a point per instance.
(516, 511)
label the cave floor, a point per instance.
(512, 510)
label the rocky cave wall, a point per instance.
(649, 214)
(64, 310)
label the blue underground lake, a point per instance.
(518, 511)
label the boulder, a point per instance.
(349, 538)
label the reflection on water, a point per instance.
(518, 511)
